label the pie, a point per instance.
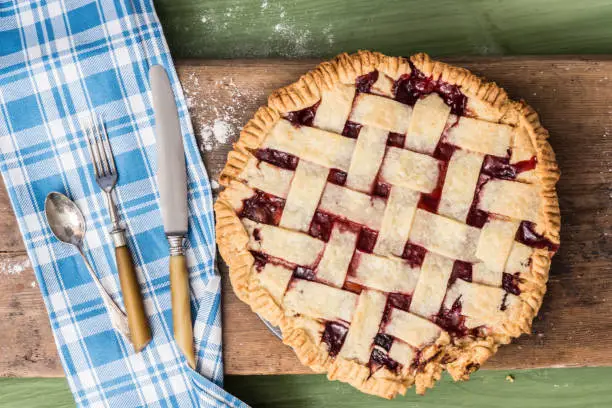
(395, 217)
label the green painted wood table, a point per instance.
(214, 29)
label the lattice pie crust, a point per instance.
(394, 217)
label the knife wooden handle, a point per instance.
(140, 332)
(181, 307)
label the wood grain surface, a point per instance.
(574, 99)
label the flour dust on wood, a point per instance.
(280, 27)
(217, 114)
(13, 267)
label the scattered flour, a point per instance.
(223, 106)
(218, 133)
(289, 35)
(11, 267)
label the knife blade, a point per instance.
(172, 182)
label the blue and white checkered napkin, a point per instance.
(59, 61)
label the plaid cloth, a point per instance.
(59, 61)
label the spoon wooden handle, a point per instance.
(181, 307)
(140, 333)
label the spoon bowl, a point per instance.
(65, 219)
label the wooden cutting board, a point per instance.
(574, 327)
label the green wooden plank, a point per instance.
(550, 388)
(322, 28)
(558, 388)
(35, 393)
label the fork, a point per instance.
(106, 177)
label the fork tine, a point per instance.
(107, 148)
(94, 148)
(88, 128)
(99, 148)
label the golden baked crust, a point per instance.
(459, 358)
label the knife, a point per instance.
(172, 180)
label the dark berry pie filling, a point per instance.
(500, 167)
(527, 235)
(367, 240)
(277, 158)
(410, 88)
(337, 177)
(303, 117)
(263, 208)
(322, 224)
(383, 341)
(364, 83)
(396, 140)
(398, 301)
(351, 129)
(476, 217)
(414, 254)
(452, 320)
(381, 189)
(461, 270)
(510, 283)
(380, 359)
(334, 335)
(431, 201)
(301, 272)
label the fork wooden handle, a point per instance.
(140, 332)
(181, 307)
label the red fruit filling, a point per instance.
(410, 88)
(352, 287)
(378, 359)
(337, 177)
(414, 254)
(333, 336)
(396, 140)
(526, 165)
(303, 117)
(351, 129)
(431, 201)
(478, 218)
(261, 260)
(383, 340)
(263, 208)
(277, 158)
(398, 301)
(381, 189)
(322, 224)
(510, 283)
(500, 167)
(527, 235)
(452, 320)
(367, 240)
(461, 270)
(301, 272)
(364, 83)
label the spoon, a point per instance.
(68, 225)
